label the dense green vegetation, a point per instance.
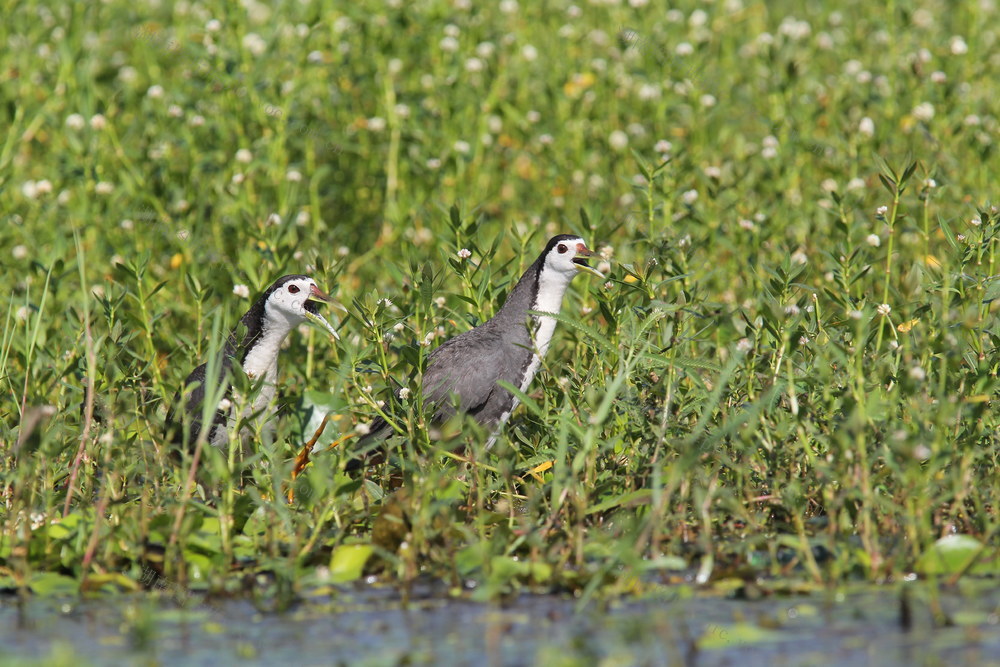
(790, 371)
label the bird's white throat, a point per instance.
(552, 286)
(262, 359)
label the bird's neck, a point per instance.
(262, 347)
(539, 289)
(552, 286)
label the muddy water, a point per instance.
(370, 626)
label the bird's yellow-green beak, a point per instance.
(580, 260)
(318, 295)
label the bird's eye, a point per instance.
(294, 289)
(562, 248)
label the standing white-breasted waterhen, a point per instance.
(508, 347)
(289, 302)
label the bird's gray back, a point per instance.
(469, 366)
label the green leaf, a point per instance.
(952, 554)
(593, 333)
(52, 584)
(348, 562)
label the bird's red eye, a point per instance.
(562, 248)
(294, 289)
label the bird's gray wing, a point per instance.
(465, 366)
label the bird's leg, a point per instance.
(302, 459)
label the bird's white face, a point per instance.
(569, 257)
(294, 300)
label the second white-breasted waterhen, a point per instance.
(289, 302)
(509, 346)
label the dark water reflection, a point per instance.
(370, 626)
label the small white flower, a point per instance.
(440, 301)
(127, 224)
(485, 49)
(404, 393)
(293, 175)
(769, 152)
(462, 146)
(975, 222)
(213, 25)
(433, 163)
(689, 197)
(663, 146)
(241, 291)
(930, 183)
(856, 184)
(938, 77)
(343, 251)
(175, 111)
(829, 185)
(302, 218)
(402, 110)
(98, 122)
(923, 111)
(19, 251)
(362, 429)
(792, 309)
(918, 374)
(684, 49)
(274, 220)
(746, 224)
(881, 210)
(545, 139)
(155, 92)
(618, 140)
(449, 44)
(712, 172)
(855, 314)
(958, 46)
(866, 126)
(75, 121)
(960, 238)
(508, 6)
(707, 101)
(225, 404)
(21, 314)
(238, 178)
(744, 345)
(529, 53)
(884, 309)
(104, 188)
(29, 189)
(922, 452)
(533, 116)
(376, 124)
(196, 120)
(873, 240)
(464, 253)
(803, 340)
(608, 285)
(254, 43)
(799, 257)
(315, 57)
(244, 156)
(684, 241)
